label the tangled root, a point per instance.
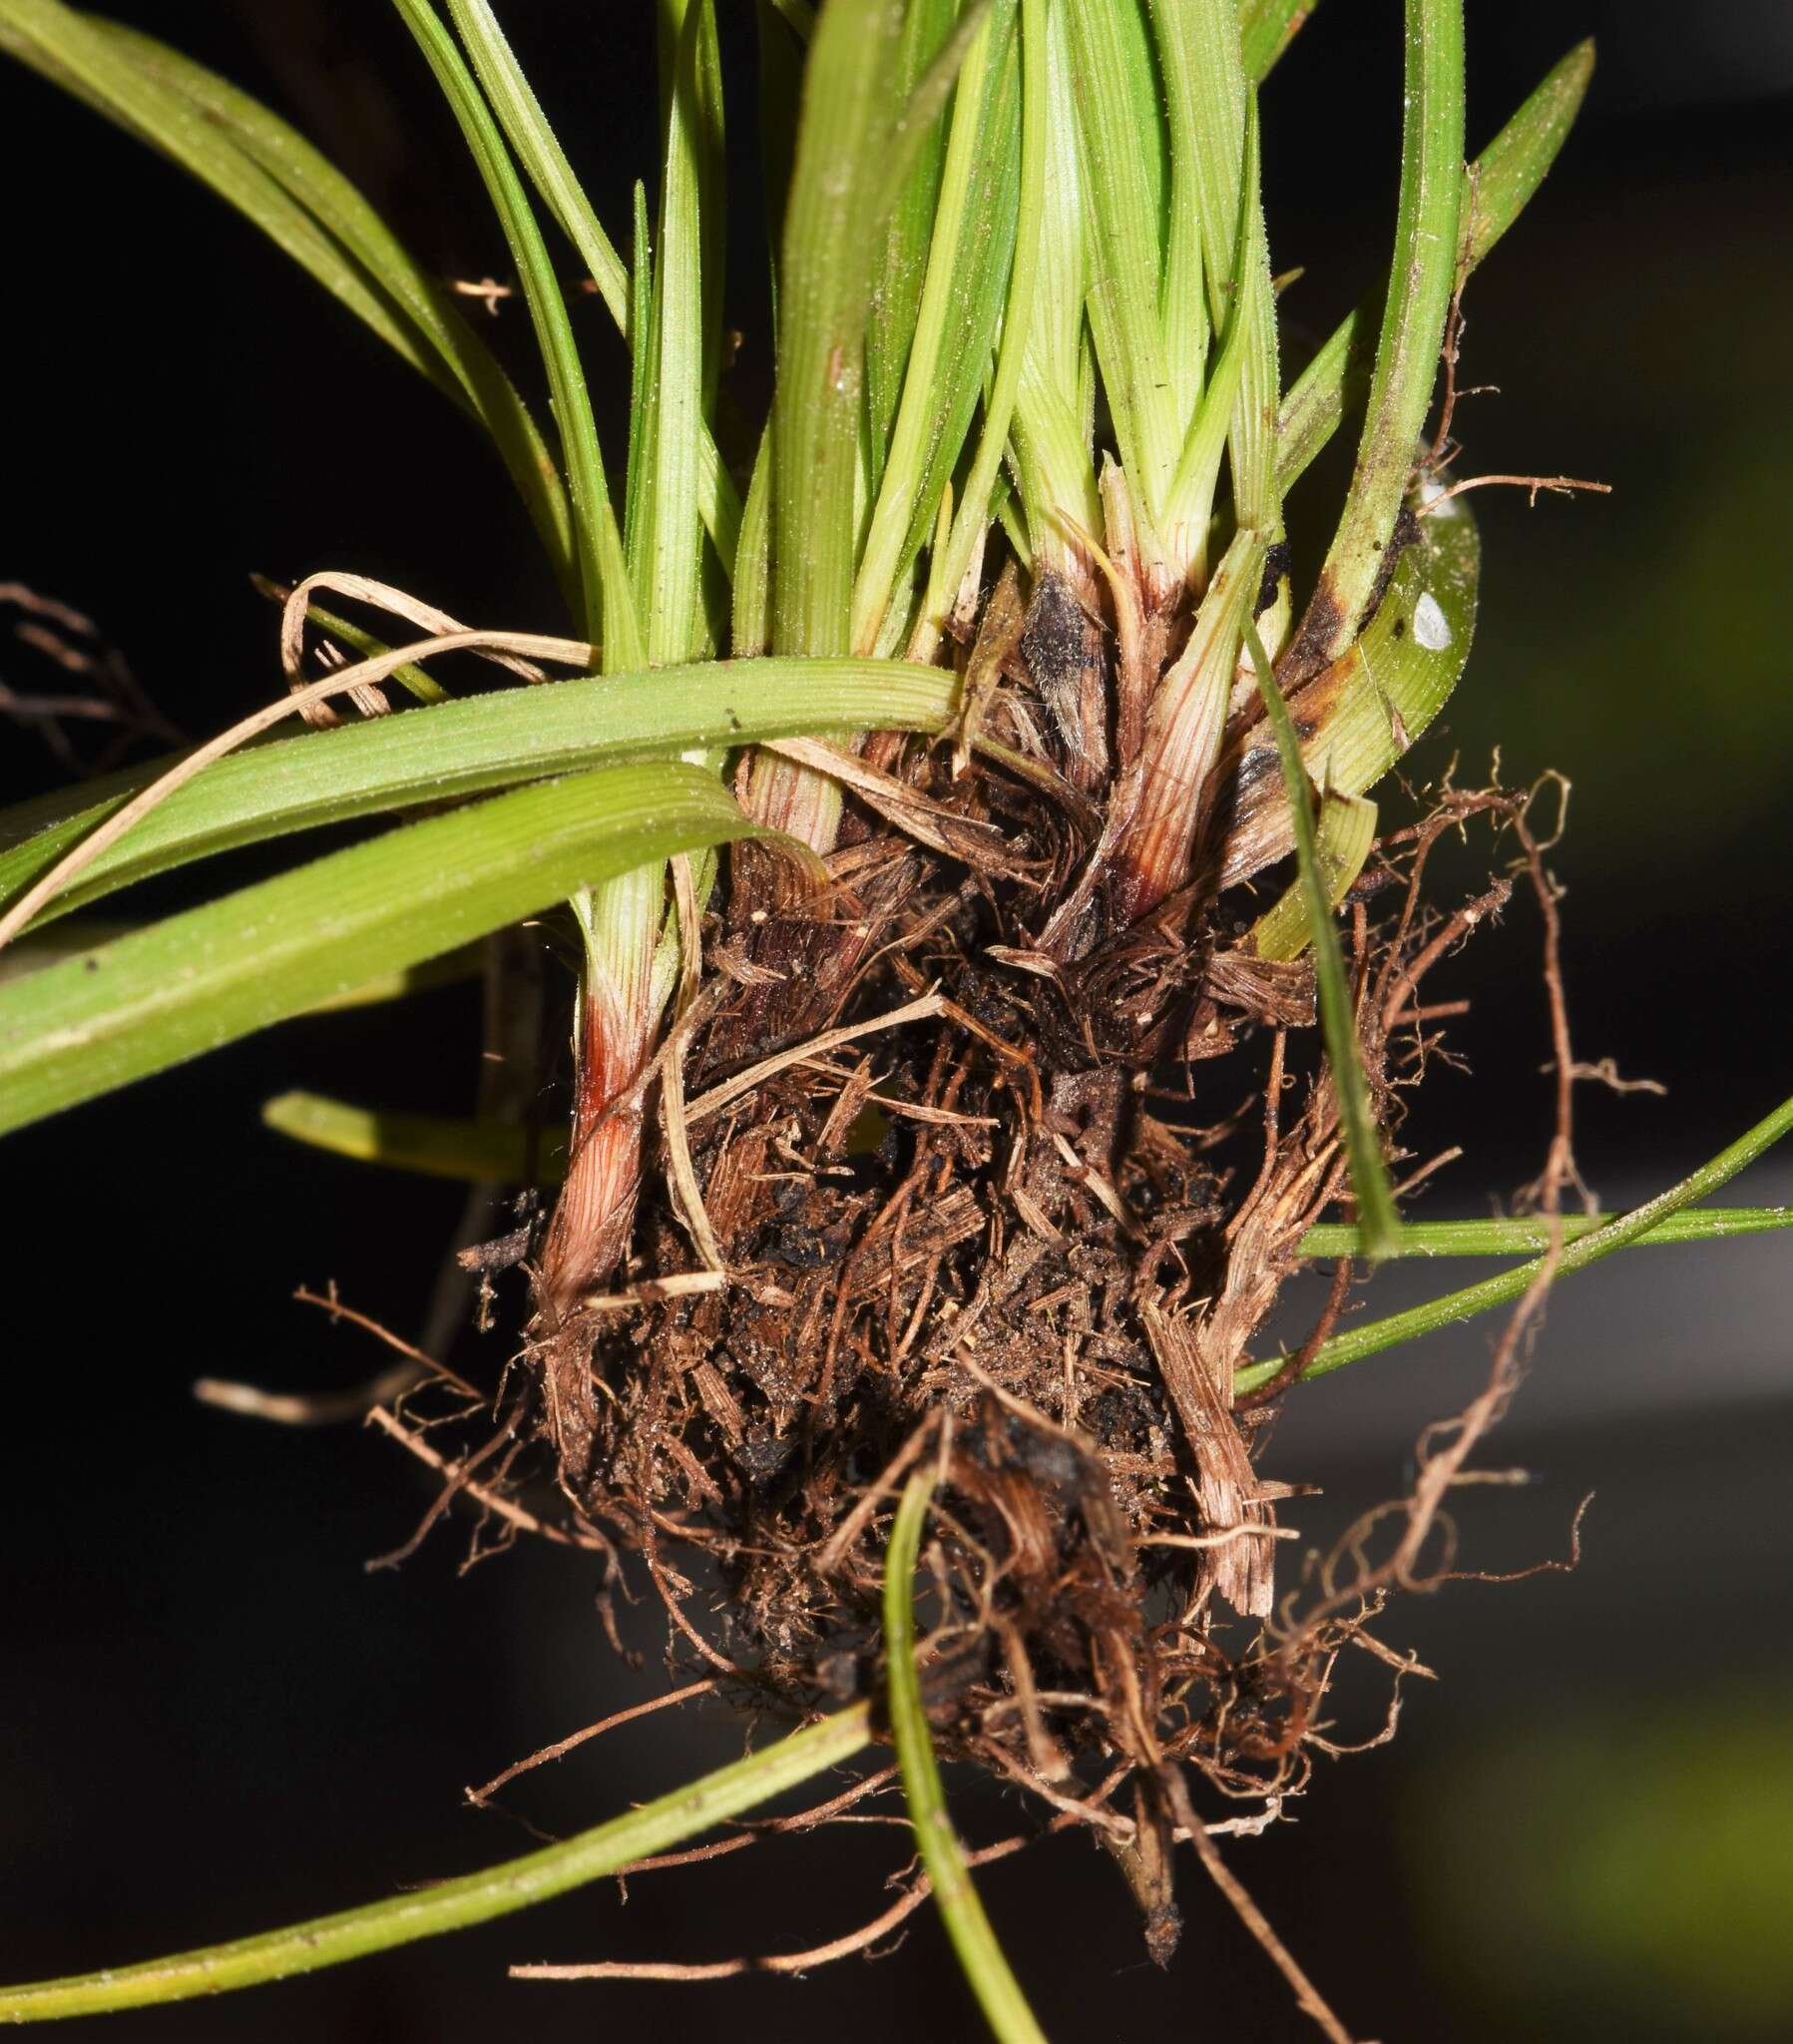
(917, 1188)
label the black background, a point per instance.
(213, 1720)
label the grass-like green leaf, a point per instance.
(527, 130)
(1342, 843)
(1504, 178)
(1376, 1218)
(1050, 433)
(1526, 1234)
(674, 352)
(1192, 97)
(1214, 126)
(665, 529)
(437, 1145)
(927, 27)
(973, 512)
(417, 683)
(263, 168)
(830, 249)
(980, 1955)
(444, 1146)
(467, 746)
(32, 954)
(608, 616)
(750, 621)
(1579, 1250)
(845, 173)
(1497, 186)
(428, 1911)
(196, 982)
(1421, 283)
(1266, 29)
(956, 317)
(1120, 126)
(1239, 403)
(538, 148)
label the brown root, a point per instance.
(972, 1154)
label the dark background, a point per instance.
(213, 1720)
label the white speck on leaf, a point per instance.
(1430, 624)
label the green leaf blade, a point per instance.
(1266, 29)
(1421, 284)
(1496, 188)
(968, 265)
(434, 1146)
(471, 746)
(830, 246)
(608, 615)
(973, 1941)
(1529, 1234)
(267, 952)
(1376, 1216)
(971, 517)
(927, 27)
(1368, 710)
(1122, 144)
(666, 521)
(1577, 1253)
(453, 1904)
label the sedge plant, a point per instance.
(939, 807)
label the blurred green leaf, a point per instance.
(438, 1146)
(1618, 1870)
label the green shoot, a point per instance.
(1579, 1251)
(1376, 1220)
(1526, 1234)
(1421, 284)
(608, 610)
(194, 981)
(980, 1955)
(468, 746)
(608, 1849)
(1495, 189)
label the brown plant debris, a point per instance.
(961, 1154)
